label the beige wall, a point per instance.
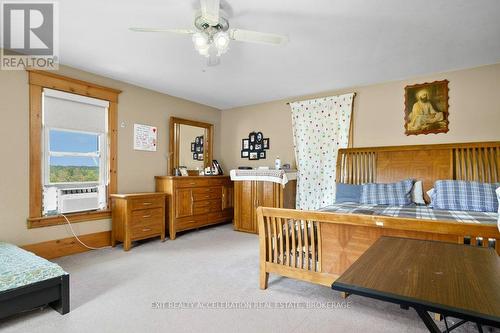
(378, 116)
(136, 169)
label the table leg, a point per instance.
(429, 323)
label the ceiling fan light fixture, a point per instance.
(221, 41)
(200, 40)
(211, 35)
(204, 51)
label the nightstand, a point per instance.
(137, 216)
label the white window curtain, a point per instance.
(320, 127)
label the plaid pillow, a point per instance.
(463, 195)
(498, 198)
(394, 194)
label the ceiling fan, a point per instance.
(211, 34)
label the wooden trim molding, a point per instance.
(37, 81)
(64, 83)
(48, 221)
(67, 246)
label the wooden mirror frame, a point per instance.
(174, 134)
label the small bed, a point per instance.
(318, 246)
(28, 282)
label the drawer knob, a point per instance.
(147, 203)
(146, 216)
(146, 229)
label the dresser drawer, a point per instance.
(207, 206)
(191, 222)
(146, 216)
(147, 202)
(207, 193)
(143, 231)
(217, 217)
(218, 181)
(180, 183)
(146, 222)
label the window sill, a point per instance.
(48, 221)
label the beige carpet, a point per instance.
(114, 291)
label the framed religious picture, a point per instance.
(426, 108)
(195, 156)
(252, 137)
(252, 147)
(258, 147)
(262, 155)
(244, 154)
(201, 157)
(192, 147)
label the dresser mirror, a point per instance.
(190, 145)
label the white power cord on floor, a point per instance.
(78, 239)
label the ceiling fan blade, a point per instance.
(210, 11)
(257, 37)
(175, 31)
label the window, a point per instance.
(72, 149)
(74, 157)
(74, 152)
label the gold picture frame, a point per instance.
(426, 108)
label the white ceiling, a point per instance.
(333, 44)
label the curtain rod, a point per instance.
(288, 103)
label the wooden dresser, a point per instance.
(137, 216)
(196, 201)
(250, 194)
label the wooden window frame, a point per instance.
(37, 81)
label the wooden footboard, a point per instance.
(318, 247)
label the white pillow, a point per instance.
(430, 193)
(417, 193)
(498, 197)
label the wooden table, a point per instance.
(454, 280)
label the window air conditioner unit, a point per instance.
(70, 200)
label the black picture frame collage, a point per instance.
(197, 148)
(254, 147)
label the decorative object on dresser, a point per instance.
(194, 202)
(254, 188)
(426, 108)
(137, 216)
(254, 147)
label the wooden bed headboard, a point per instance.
(478, 161)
